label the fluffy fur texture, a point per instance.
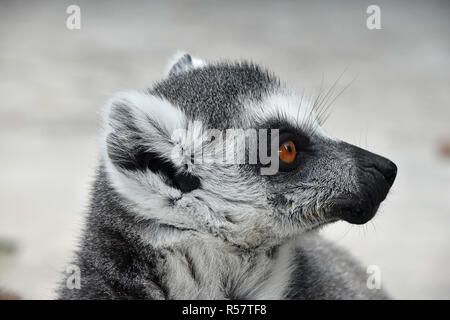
(164, 226)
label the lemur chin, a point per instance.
(172, 218)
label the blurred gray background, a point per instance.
(53, 82)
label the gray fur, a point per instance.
(160, 229)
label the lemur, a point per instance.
(164, 226)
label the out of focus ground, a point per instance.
(53, 82)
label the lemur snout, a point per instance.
(375, 176)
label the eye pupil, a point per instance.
(287, 152)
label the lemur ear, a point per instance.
(182, 62)
(138, 137)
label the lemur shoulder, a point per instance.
(162, 225)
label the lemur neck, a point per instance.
(200, 269)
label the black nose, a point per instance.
(387, 168)
(368, 161)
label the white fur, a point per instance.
(219, 270)
(277, 284)
(284, 105)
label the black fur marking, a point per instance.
(228, 288)
(142, 160)
(191, 267)
(228, 217)
(186, 182)
(171, 227)
(271, 252)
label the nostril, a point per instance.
(390, 172)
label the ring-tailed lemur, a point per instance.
(164, 226)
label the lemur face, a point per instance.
(171, 154)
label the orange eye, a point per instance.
(287, 152)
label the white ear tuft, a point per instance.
(182, 62)
(137, 123)
(142, 110)
(139, 144)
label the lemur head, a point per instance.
(224, 150)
